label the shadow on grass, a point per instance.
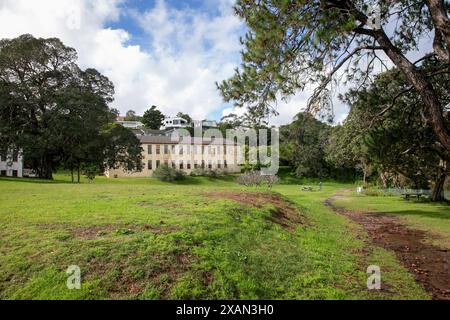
(427, 214)
(34, 180)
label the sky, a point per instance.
(166, 53)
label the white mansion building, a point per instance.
(11, 164)
(207, 153)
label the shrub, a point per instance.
(212, 173)
(271, 180)
(90, 171)
(168, 174)
(255, 178)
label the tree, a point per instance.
(51, 109)
(303, 142)
(120, 149)
(346, 150)
(291, 44)
(153, 118)
(184, 116)
(400, 141)
(132, 116)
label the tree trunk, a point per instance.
(45, 171)
(78, 174)
(438, 188)
(433, 109)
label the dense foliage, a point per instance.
(168, 174)
(297, 43)
(153, 118)
(56, 113)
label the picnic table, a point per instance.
(407, 195)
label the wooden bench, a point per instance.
(409, 195)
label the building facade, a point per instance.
(11, 164)
(207, 154)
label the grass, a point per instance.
(433, 218)
(144, 239)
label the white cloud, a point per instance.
(182, 53)
(187, 49)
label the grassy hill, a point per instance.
(202, 238)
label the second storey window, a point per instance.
(181, 149)
(158, 163)
(158, 149)
(150, 149)
(166, 149)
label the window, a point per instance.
(173, 149)
(181, 165)
(149, 149)
(195, 164)
(188, 165)
(174, 166)
(158, 163)
(225, 164)
(209, 164)
(219, 165)
(3, 173)
(181, 149)
(203, 164)
(14, 173)
(158, 149)
(166, 149)
(150, 165)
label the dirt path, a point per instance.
(430, 265)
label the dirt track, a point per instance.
(430, 265)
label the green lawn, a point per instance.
(433, 218)
(144, 239)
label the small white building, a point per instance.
(206, 124)
(11, 164)
(131, 124)
(174, 123)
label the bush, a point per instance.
(168, 174)
(255, 178)
(212, 173)
(90, 171)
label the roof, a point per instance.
(180, 140)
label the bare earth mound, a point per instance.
(429, 264)
(284, 213)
